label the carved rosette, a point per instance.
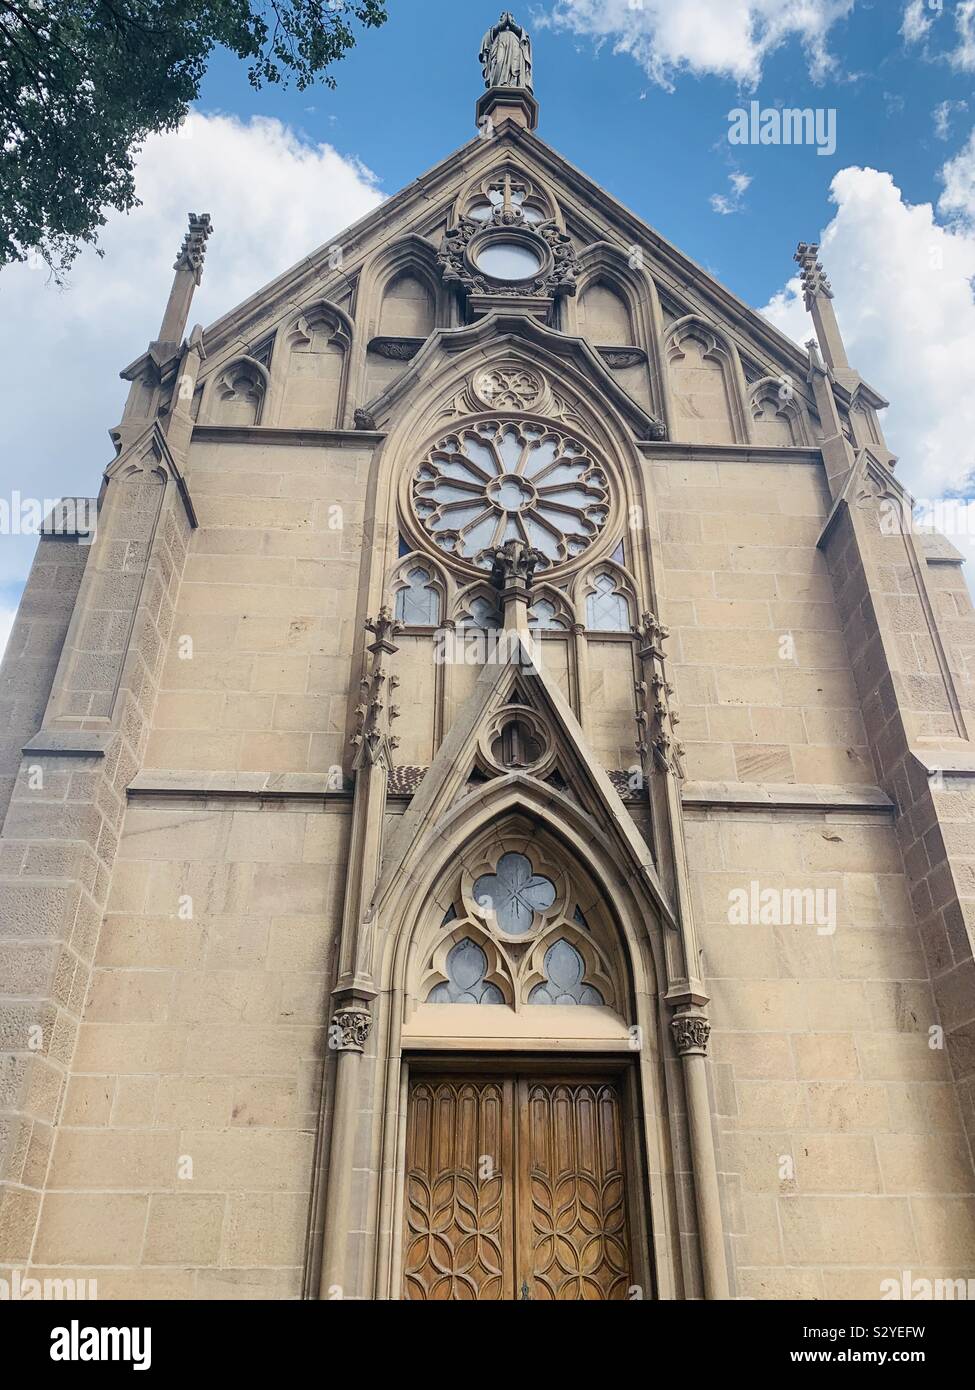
(349, 1030)
(691, 1033)
(509, 387)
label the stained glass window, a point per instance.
(542, 614)
(483, 614)
(564, 971)
(466, 967)
(501, 481)
(418, 605)
(514, 894)
(606, 608)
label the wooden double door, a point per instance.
(516, 1188)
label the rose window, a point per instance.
(496, 482)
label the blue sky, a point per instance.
(663, 153)
(637, 94)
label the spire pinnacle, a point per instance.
(188, 268)
(818, 297)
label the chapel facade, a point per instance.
(488, 812)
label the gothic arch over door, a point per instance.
(522, 1168)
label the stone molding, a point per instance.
(785, 798)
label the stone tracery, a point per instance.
(497, 481)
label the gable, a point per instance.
(338, 271)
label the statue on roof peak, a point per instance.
(506, 55)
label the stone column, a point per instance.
(354, 990)
(691, 1031)
(513, 575)
(347, 1035)
(662, 759)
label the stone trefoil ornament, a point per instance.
(506, 55)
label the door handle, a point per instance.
(525, 1295)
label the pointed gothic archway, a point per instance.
(523, 1174)
(552, 984)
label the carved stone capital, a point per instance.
(349, 1029)
(691, 1033)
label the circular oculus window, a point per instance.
(508, 260)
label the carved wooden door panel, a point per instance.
(515, 1188)
(459, 1240)
(573, 1227)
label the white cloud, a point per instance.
(730, 38)
(958, 199)
(943, 113)
(728, 203)
(903, 296)
(273, 199)
(964, 55)
(918, 18)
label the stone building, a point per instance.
(370, 927)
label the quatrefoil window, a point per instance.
(514, 894)
(496, 482)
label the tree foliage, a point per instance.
(83, 82)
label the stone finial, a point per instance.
(815, 282)
(658, 718)
(189, 272)
(373, 718)
(193, 249)
(514, 564)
